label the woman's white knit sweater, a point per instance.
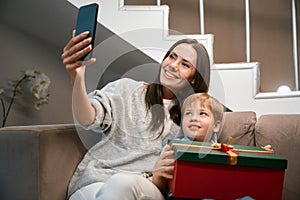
(127, 144)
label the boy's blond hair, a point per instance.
(206, 101)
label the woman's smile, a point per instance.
(170, 74)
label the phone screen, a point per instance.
(87, 21)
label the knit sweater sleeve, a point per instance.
(106, 99)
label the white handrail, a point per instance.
(247, 16)
(201, 7)
(295, 46)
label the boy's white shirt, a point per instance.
(214, 139)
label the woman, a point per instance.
(136, 119)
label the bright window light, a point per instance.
(283, 89)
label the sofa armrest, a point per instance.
(38, 161)
(282, 131)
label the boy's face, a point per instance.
(198, 123)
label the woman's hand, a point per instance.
(164, 169)
(76, 48)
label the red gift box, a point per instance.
(203, 171)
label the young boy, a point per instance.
(201, 120)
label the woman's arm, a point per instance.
(77, 47)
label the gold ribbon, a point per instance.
(232, 158)
(228, 149)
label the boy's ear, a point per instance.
(217, 126)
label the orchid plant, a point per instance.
(38, 84)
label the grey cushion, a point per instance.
(37, 162)
(283, 133)
(239, 126)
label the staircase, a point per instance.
(235, 84)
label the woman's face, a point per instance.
(178, 69)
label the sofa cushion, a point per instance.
(239, 126)
(282, 131)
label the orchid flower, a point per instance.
(39, 86)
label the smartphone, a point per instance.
(87, 21)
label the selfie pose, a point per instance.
(136, 119)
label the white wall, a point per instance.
(239, 82)
(145, 27)
(237, 86)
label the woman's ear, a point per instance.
(193, 82)
(217, 126)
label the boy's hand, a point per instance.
(268, 148)
(164, 169)
(164, 166)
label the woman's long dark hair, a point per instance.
(154, 93)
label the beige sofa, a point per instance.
(36, 162)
